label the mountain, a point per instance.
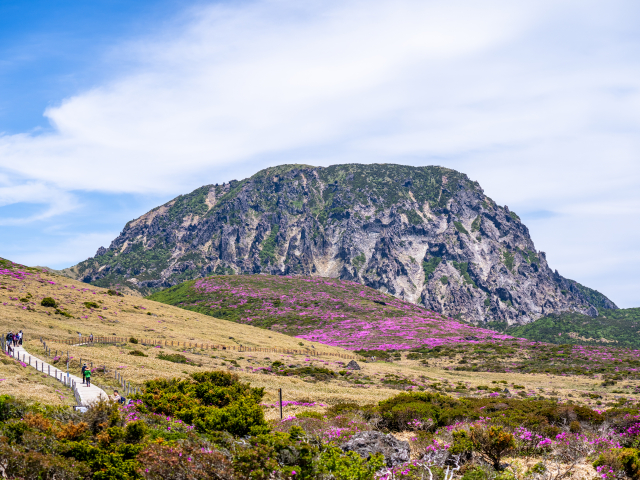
(330, 311)
(427, 235)
(618, 328)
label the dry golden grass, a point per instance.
(27, 384)
(134, 316)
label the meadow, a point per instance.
(454, 385)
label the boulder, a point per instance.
(353, 365)
(365, 444)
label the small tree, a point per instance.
(493, 442)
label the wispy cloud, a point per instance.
(51, 200)
(539, 101)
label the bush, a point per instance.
(630, 460)
(185, 462)
(135, 431)
(175, 358)
(492, 442)
(212, 401)
(48, 302)
(138, 353)
(133, 340)
(350, 466)
(91, 305)
(575, 427)
(398, 411)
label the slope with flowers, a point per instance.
(326, 310)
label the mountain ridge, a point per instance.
(428, 235)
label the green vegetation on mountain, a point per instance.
(620, 328)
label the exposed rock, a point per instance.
(353, 365)
(366, 444)
(592, 311)
(428, 235)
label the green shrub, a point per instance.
(135, 431)
(138, 353)
(350, 465)
(175, 358)
(630, 460)
(476, 473)
(212, 401)
(460, 227)
(462, 443)
(492, 442)
(133, 340)
(342, 408)
(48, 302)
(91, 305)
(430, 266)
(398, 411)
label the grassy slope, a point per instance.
(376, 380)
(613, 327)
(331, 311)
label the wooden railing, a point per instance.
(202, 345)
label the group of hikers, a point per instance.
(80, 338)
(13, 340)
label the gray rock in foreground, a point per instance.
(366, 444)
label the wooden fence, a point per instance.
(207, 346)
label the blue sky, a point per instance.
(109, 108)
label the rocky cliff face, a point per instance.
(428, 235)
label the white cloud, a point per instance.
(539, 101)
(261, 78)
(53, 201)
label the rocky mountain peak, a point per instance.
(428, 235)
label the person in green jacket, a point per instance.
(87, 377)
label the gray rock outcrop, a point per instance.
(365, 444)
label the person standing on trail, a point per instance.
(87, 376)
(79, 337)
(84, 368)
(20, 337)
(91, 338)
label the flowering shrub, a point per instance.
(330, 311)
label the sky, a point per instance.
(109, 108)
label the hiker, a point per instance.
(116, 396)
(87, 376)
(79, 337)
(9, 338)
(91, 338)
(15, 339)
(84, 367)
(20, 337)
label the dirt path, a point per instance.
(84, 395)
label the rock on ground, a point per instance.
(365, 444)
